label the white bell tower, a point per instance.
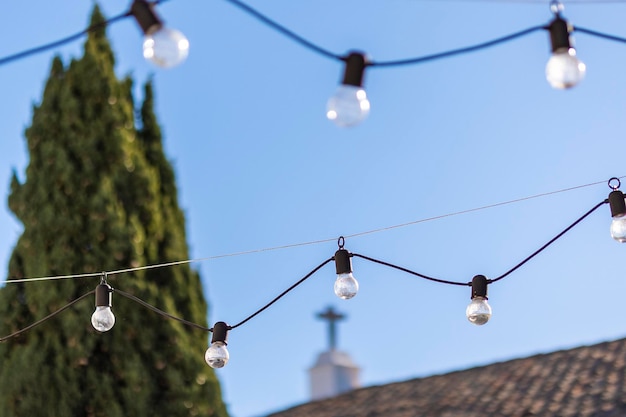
(334, 372)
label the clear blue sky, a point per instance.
(259, 166)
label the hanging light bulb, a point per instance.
(564, 69)
(478, 312)
(162, 46)
(349, 105)
(217, 355)
(618, 211)
(346, 286)
(103, 319)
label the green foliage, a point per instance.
(100, 195)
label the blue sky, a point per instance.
(259, 166)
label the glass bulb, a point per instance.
(349, 106)
(346, 286)
(102, 319)
(618, 228)
(165, 47)
(217, 355)
(564, 70)
(478, 312)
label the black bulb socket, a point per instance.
(617, 203)
(560, 34)
(104, 295)
(343, 263)
(146, 17)
(479, 286)
(220, 332)
(355, 69)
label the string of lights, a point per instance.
(507, 273)
(349, 105)
(166, 47)
(16, 280)
(346, 286)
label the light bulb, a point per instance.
(564, 69)
(346, 286)
(217, 355)
(165, 47)
(348, 106)
(102, 319)
(617, 204)
(618, 228)
(478, 312)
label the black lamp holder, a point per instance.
(146, 17)
(560, 31)
(220, 332)
(355, 69)
(479, 286)
(103, 295)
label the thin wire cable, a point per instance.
(51, 278)
(457, 213)
(283, 30)
(265, 307)
(161, 312)
(146, 267)
(599, 34)
(408, 271)
(307, 243)
(551, 241)
(48, 317)
(447, 54)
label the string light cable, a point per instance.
(48, 317)
(478, 312)
(163, 46)
(349, 105)
(16, 280)
(555, 6)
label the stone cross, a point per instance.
(332, 317)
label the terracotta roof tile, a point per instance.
(588, 381)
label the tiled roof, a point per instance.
(588, 381)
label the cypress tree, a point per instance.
(100, 195)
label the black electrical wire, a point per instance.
(551, 241)
(55, 44)
(507, 273)
(408, 271)
(599, 34)
(317, 268)
(447, 54)
(61, 42)
(282, 29)
(409, 61)
(306, 43)
(48, 317)
(158, 311)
